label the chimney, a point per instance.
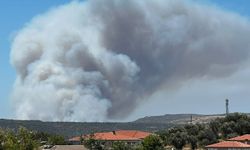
(113, 132)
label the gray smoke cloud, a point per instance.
(97, 60)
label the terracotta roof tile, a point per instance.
(241, 138)
(228, 144)
(134, 133)
(113, 137)
(120, 135)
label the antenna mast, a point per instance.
(227, 107)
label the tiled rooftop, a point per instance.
(120, 135)
(241, 138)
(228, 144)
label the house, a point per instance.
(244, 139)
(228, 145)
(131, 137)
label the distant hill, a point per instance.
(69, 129)
(179, 118)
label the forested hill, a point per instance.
(69, 129)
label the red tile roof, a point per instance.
(228, 144)
(120, 135)
(133, 133)
(245, 137)
(109, 136)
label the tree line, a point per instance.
(24, 139)
(200, 135)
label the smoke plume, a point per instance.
(97, 60)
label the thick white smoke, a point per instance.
(96, 60)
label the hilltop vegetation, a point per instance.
(200, 135)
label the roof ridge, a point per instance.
(240, 138)
(229, 144)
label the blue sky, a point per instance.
(239, 6)
(15, 13)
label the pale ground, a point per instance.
(67, 147)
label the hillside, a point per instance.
(69, 129)
(179, 118)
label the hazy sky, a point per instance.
(195, 96)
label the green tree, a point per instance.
(92, 144)
(242, 126)
(152, 142)
(26, 142)
(234, 124)
(41, 136)
(1, 139)
(178, 140)
(206, 137)
(227, 128)
(10, 141)
(215, 127)
(120, 146)
(56, 140)
(192, 140)
(192, 129)
(163, 136)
